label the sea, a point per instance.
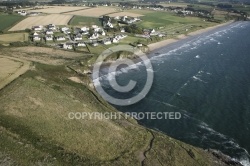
(206, 78)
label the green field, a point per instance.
(152, 19)
(244, 8)
(87, 21)
(6, 21)
(173, 4)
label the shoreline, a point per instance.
(158, 45)
(163, 43)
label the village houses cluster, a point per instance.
(70, 37)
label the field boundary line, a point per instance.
(20, 71)
(75, 10)
(71, 19)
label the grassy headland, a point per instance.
(36, 129)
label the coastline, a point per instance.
(157, 45)
(163, 43)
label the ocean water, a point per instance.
(206, 78)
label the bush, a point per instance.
(19, 44)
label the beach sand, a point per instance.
(163, 43)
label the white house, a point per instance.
(60, 38)
(81, 44)
(119, 37)
(22, 13)
(130, 21)
(103, 33)
(37, 28)
(49, 37)
(94, 36)
(67, 32)
(85, 32)
(115, 40)
(78, 37)
(106, 42)
(84, 29)
(122, 30)
(35, 34)
(36, 37)
(137, 19)
(63, 29)
(139, 45)
(97, 29)
(49, 32)
(152, 30)
(68, 46)
(51, 27)
(109, 24)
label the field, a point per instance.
(13, 37)
(152, 19)
(95, 12)
(7, 21)
(83, 21)
(43, 55)
(58, 9)
(8, 67)
(130, 14)
(56, 19)
(173, 4)
(11, 68)
(244, 8)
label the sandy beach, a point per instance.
(163, 43)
